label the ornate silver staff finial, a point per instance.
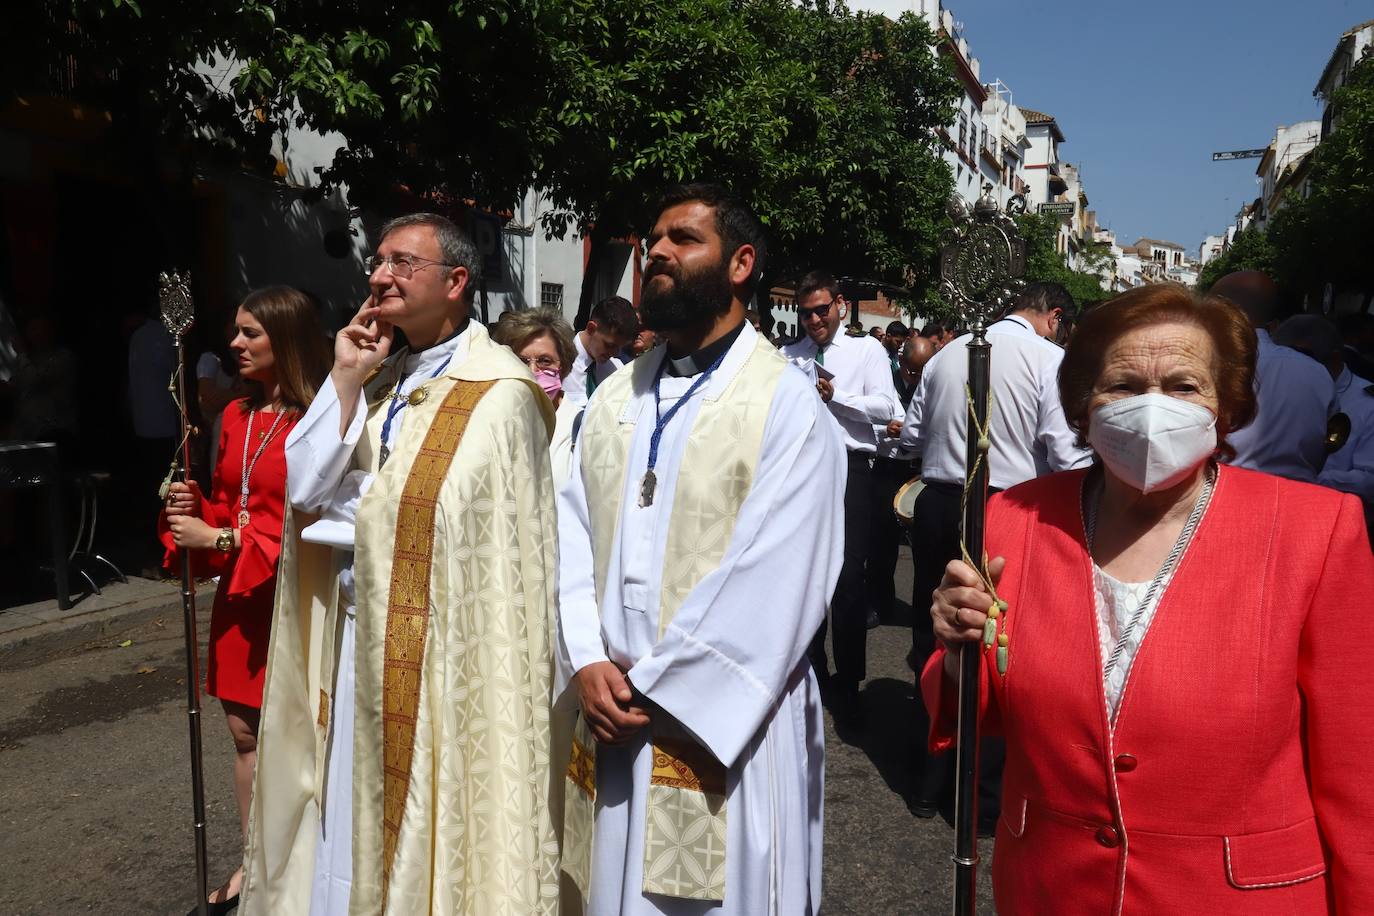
(984, 259)
(174, 300)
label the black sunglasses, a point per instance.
(819, 311)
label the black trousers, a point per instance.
(934, 542)
(884, 533)
(849, 605)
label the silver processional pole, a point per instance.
(178, 314)
(980, 271)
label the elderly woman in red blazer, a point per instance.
(1185, 700)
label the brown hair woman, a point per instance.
(235, 533)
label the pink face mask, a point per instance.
(550, 381)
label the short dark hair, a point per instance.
(617, 315)
(816, 280)
(455, 247)
(736, 223)
(897, 329)
(1042, 296)
(1233, 339)
(932, 329)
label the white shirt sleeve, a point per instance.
(579, 622)
(872, 400)
(740, 634)
(911, 425)
(1060, 442)
(1357, 479)
(316, 456)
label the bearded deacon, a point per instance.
(700, 538)
(403, 760)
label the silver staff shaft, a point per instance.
(980, 271)
(970, 653)
(178, 315)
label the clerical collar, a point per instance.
(694, 363)
(457, 332)
(424, 360)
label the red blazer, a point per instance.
(1234, 781)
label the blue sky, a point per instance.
(1145, 92)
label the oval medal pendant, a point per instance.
(418, 396)
(243, 519)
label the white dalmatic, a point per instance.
(730, 666)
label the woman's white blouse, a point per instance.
(1116, 603)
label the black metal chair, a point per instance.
(31, 465)
(82, 557)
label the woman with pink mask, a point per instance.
(544, 340)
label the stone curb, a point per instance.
(23, 645)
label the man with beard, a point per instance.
(695, 773)
(893, 340)
(854, 379)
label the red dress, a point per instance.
(242, 617)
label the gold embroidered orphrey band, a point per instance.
(407, 611)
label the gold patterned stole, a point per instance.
(407, 612)
(684, 842)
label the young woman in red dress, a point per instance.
(235, 533)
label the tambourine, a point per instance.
(1337, 432)
(904, 503)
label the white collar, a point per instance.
(1022, 322)
(425, 362)
(646, 368)
(834, 341)
(1344, 380)
(584, 359)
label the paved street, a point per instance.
(95, 799)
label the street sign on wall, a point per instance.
(1057, 208)
(1239, 154)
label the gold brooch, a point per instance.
(417, 396)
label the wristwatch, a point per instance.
(225, 542)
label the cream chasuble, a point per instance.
(708, 597)
(453, 581)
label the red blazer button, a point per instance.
(1107, 836)
(1126, 762)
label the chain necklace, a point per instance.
(247, 469)
(1092, 496)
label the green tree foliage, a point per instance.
(823, 118)
(1325, 238)
(1249, 250)
(1044, 263)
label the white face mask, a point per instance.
(1152, 440)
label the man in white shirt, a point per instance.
(1349, 469)
(611, 328)
(1029, 437)
(854, 378)
(1295, 396)
(892, 468)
